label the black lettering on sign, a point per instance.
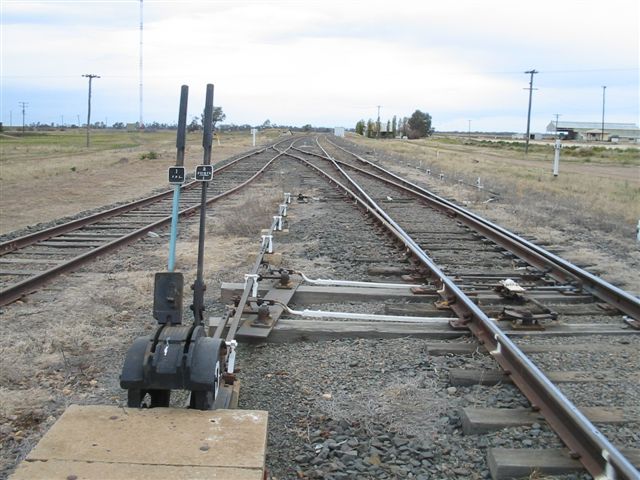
(204, 173)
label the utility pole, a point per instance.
(469, 133)
(557, 116)
(604, 88)
(378, 123)
(10, 118)
(90, 76)
(23, 105)
(532, 73)
(62, 120)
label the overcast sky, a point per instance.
(324, 62)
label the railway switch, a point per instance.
(179, 356)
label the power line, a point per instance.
(532, 73)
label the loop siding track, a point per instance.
(584, 440)
(65, 247)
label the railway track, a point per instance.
(31, 260)
(479, 271)
(553, 318)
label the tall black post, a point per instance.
(182, 125)
(198, 286)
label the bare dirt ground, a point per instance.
(65, 344)
(65, 185)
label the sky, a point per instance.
(327, 63)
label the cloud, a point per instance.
(324, 62)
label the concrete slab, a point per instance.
(65, 469)
(120, 438)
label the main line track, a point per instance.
(476, 254)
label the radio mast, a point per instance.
(141, 125)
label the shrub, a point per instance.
(149, 156)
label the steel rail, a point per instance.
(26, 240)
(20, 289)
(585, 441)
(245, 296)
(542, 259)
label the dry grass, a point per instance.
(588, 227)
(53, 177)
(400, 406)
(608, 189)
(66, 343)
(255, 213)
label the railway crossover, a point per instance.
(533, 301)
(455, 273)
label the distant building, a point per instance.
(591, 131)
(338, 131)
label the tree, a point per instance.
(419, 125)
(194, 126)
(307, 127)
(266, 123)
(394, 126)
(360, 127)
(371, 129)
(218, 116)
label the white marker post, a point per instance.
(556, 157)
(253, 132)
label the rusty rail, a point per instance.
(584, 440)
(244, 298)
(28, 285)
(557, 267)
(26, 240)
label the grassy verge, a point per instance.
(609, 189)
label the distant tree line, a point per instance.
(193, 126)
(418, 125)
